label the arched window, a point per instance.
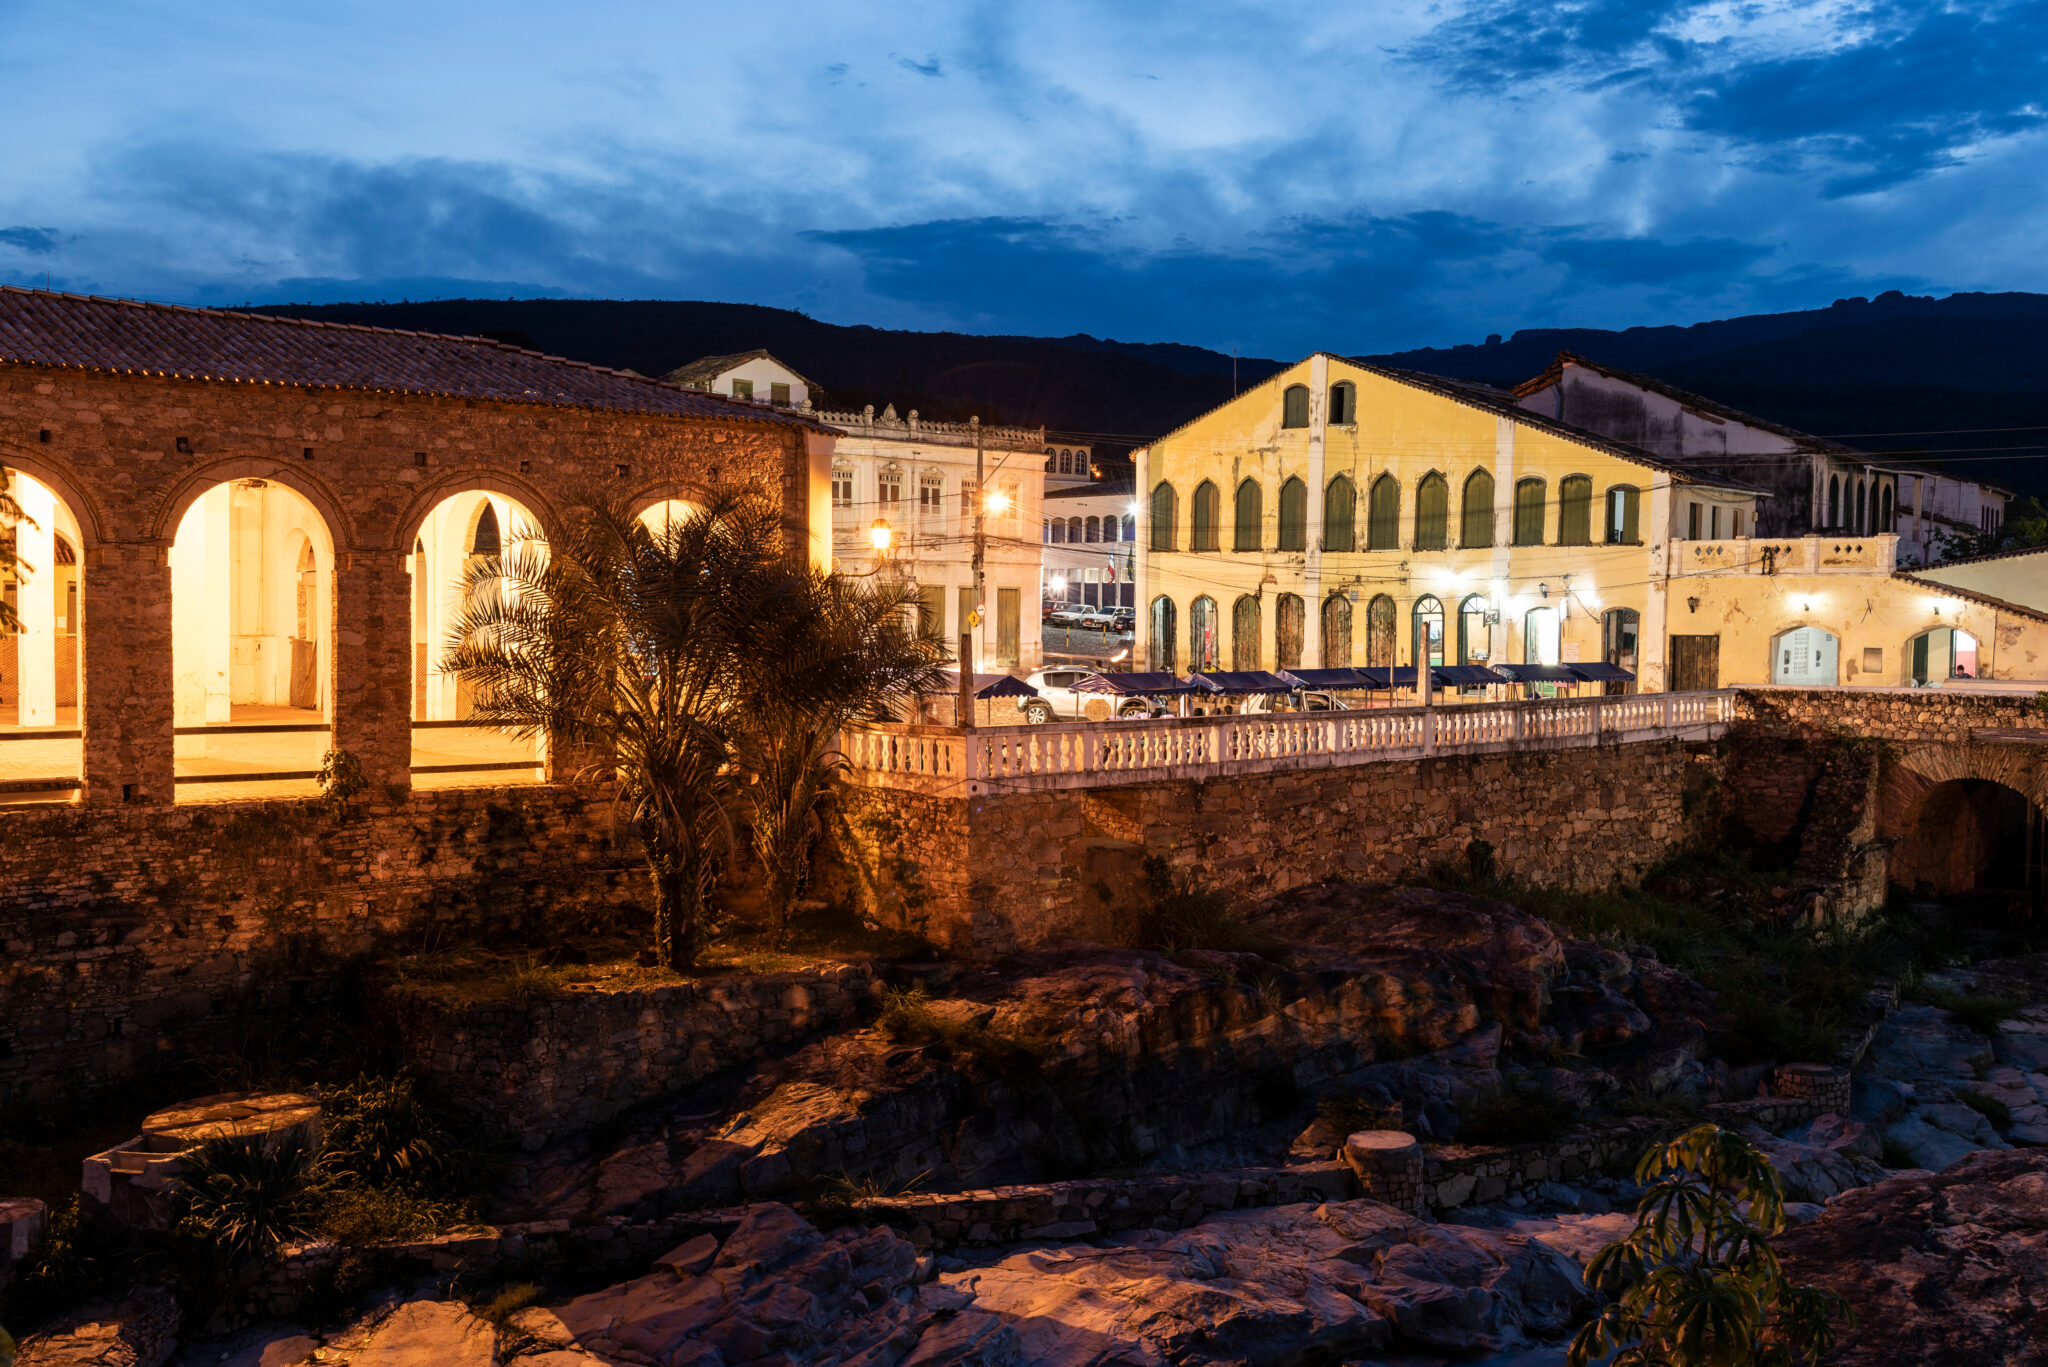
(1862, 523)
(1343, 404)
(1834, 501)
(1383, 516)
(1244, 633)
(1432, 513)
(1092, 530)
(1290, 618)
(1249, 510)
(484, 538)
(1056, 531)
(1165, 626)
(1293, 515)
(1051, 459)
(1336, 632)
(1130, 527)
(1294, 406)
(1941, 654)
(1429, 626)
(1379, 632)
(1575, 511)
(1164, 511)
(1475, 639)
(1620, 633)
(1885, 521)
(1476, 525)
(1202, 533)
(1340, 512)
(1529, 512)
(1623, 515)
(1074, 530)
(1204, 647)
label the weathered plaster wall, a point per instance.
(131, 938)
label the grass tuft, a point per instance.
(1978, 1011)
(909, 1016)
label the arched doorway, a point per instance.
(1620, 634)
(1337, 631)
(465, 532)
(1429, 627)
(1204, 645)
(1165, 628)
(1971, 835)
(40, 718)
(252, 651)
(1938, 655)
(1475, 635)
(1805, 655)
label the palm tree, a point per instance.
(669, 656)
(841, 647)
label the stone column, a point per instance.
(35, 672)
(1141, 494)
(1823, 1084)
(1653, 638)
(1388, 1164)
(125, 710)
(373, 663)
(1312, 578)
(21, 1230)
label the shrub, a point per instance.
(67, 1268)
(1669, 1103)
(1697, 1284)
(1180, 914)
(908, 1015)
(243, 1195)
(377, 1131)
(1518, 1115)
(506, 1303)
(358, 1215)
(1348, 1110)
(1978, 1011)
(341, 781)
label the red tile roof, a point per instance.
(41, 328)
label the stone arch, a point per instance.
(91, 515)
(431, 496)
(1939, 806)
(193, 484)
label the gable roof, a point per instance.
(1804, 441)
(131, 337)
(1918, 576)
(707, 368)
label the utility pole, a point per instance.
(980, 537)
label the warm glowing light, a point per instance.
(1059, 583)
(997, 503)
(1134, 509)
(881, 535)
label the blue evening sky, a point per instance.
(1277, 177)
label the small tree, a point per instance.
(1697, 1283)
(840, 648)
(652, 651)
(11, 516)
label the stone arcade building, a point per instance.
(246, 521)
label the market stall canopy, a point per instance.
(1598, 671)
(1540, 674)
(1440, 676)
(1134, 685)
(1239, 681)
(993, 686)
(1465, 676)
(1328, 678)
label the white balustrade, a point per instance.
(1084, 754)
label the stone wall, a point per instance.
(540, 1070)
(1002, 871)
(131, 937)
(129, 453)
(1900, 715)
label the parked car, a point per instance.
(1057, 700)
(1065, 615)
(1096, 619)
(1306, 701)
(1126, 620)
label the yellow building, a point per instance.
(1339, 513)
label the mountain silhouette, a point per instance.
(1902, 374)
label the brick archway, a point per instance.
(1940, 805)
(423, 503)
(179, 498)
(91, 515)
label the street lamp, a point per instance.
(880, 534)
(997, 503)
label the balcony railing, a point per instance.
(948, 760)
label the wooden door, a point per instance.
(305, 686)
(1695, 663)
(1009, 610)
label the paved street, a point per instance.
(1096, 645)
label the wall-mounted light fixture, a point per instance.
(880, 534)
(1692, 605)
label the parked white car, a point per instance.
(1057, 700)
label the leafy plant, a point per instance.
(1697, 1284)
(378, 1131)
(341, 782)
(356, 1215)
(908, 1015)
(654, 653)
(1348, 1110)
(1180, 914)
(1978, 1011)
(69, 1266)
(241, 1196)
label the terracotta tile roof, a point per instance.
(1804, 441)
(1918, 576)
(123, 336)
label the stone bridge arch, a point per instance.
(1964, 815)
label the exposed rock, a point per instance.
(429, 1334)
(1285, 1284)
(1942, 1269)
(1817, 1171)
(140, 1331)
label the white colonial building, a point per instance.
(1090, 544)
(754, 375)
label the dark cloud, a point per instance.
(1646, 261)
(928, 67)
(1891, 91)
(34, 241)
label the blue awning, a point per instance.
(993, 686)
(1598, 671)
(1327, 678)
(1464, 676)
(1239, 681)
(1158, 685)
(1540, 674)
